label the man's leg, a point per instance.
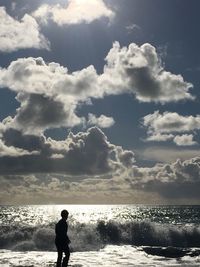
(59, 259)
(66, 258)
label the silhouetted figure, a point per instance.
(62, 240)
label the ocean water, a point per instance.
(102, 235)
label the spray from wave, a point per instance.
(87, 237)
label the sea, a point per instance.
(101, 235)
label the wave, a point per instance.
(87, 237)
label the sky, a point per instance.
(99, 102)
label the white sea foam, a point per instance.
(119, 256)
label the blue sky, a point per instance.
(99, 101)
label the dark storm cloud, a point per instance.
(83, 153)
(89, 158)
(180, 179)
(175, 190)
(16, 138)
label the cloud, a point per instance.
(88, 162)
(101, 121)
(83, 153)
(170, 122)
(49, 90)
(35, 76)
(55, 93)
(29, 142)
(11, 151)
(163, 127)
(39, 189)
(184, 140)
(32, 75)
(14, 34)
(76, 12)
(139, 71)
(177, 180)
(38, 113)
(126, 157)
(167, 183)
(159, 137)
(133, 70)
(132, 28)
(166, 154)
(13, 6)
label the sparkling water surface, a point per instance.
(43, 214)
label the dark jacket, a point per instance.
(62, 238)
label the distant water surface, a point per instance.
(44, 214)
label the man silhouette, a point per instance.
(62, 240)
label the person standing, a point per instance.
(62, 240)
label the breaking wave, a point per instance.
(87, 237)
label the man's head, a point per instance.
(64, 214)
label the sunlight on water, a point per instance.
(46, 214)
(90, 213)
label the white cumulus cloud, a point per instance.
(76, 12)
(52, 89)
(170, 122)
(135, 70)
(179, 179)
(165, 126)
(159, 137)
(139, 71)
(101, 121)
(15, 35)
(184, 140)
